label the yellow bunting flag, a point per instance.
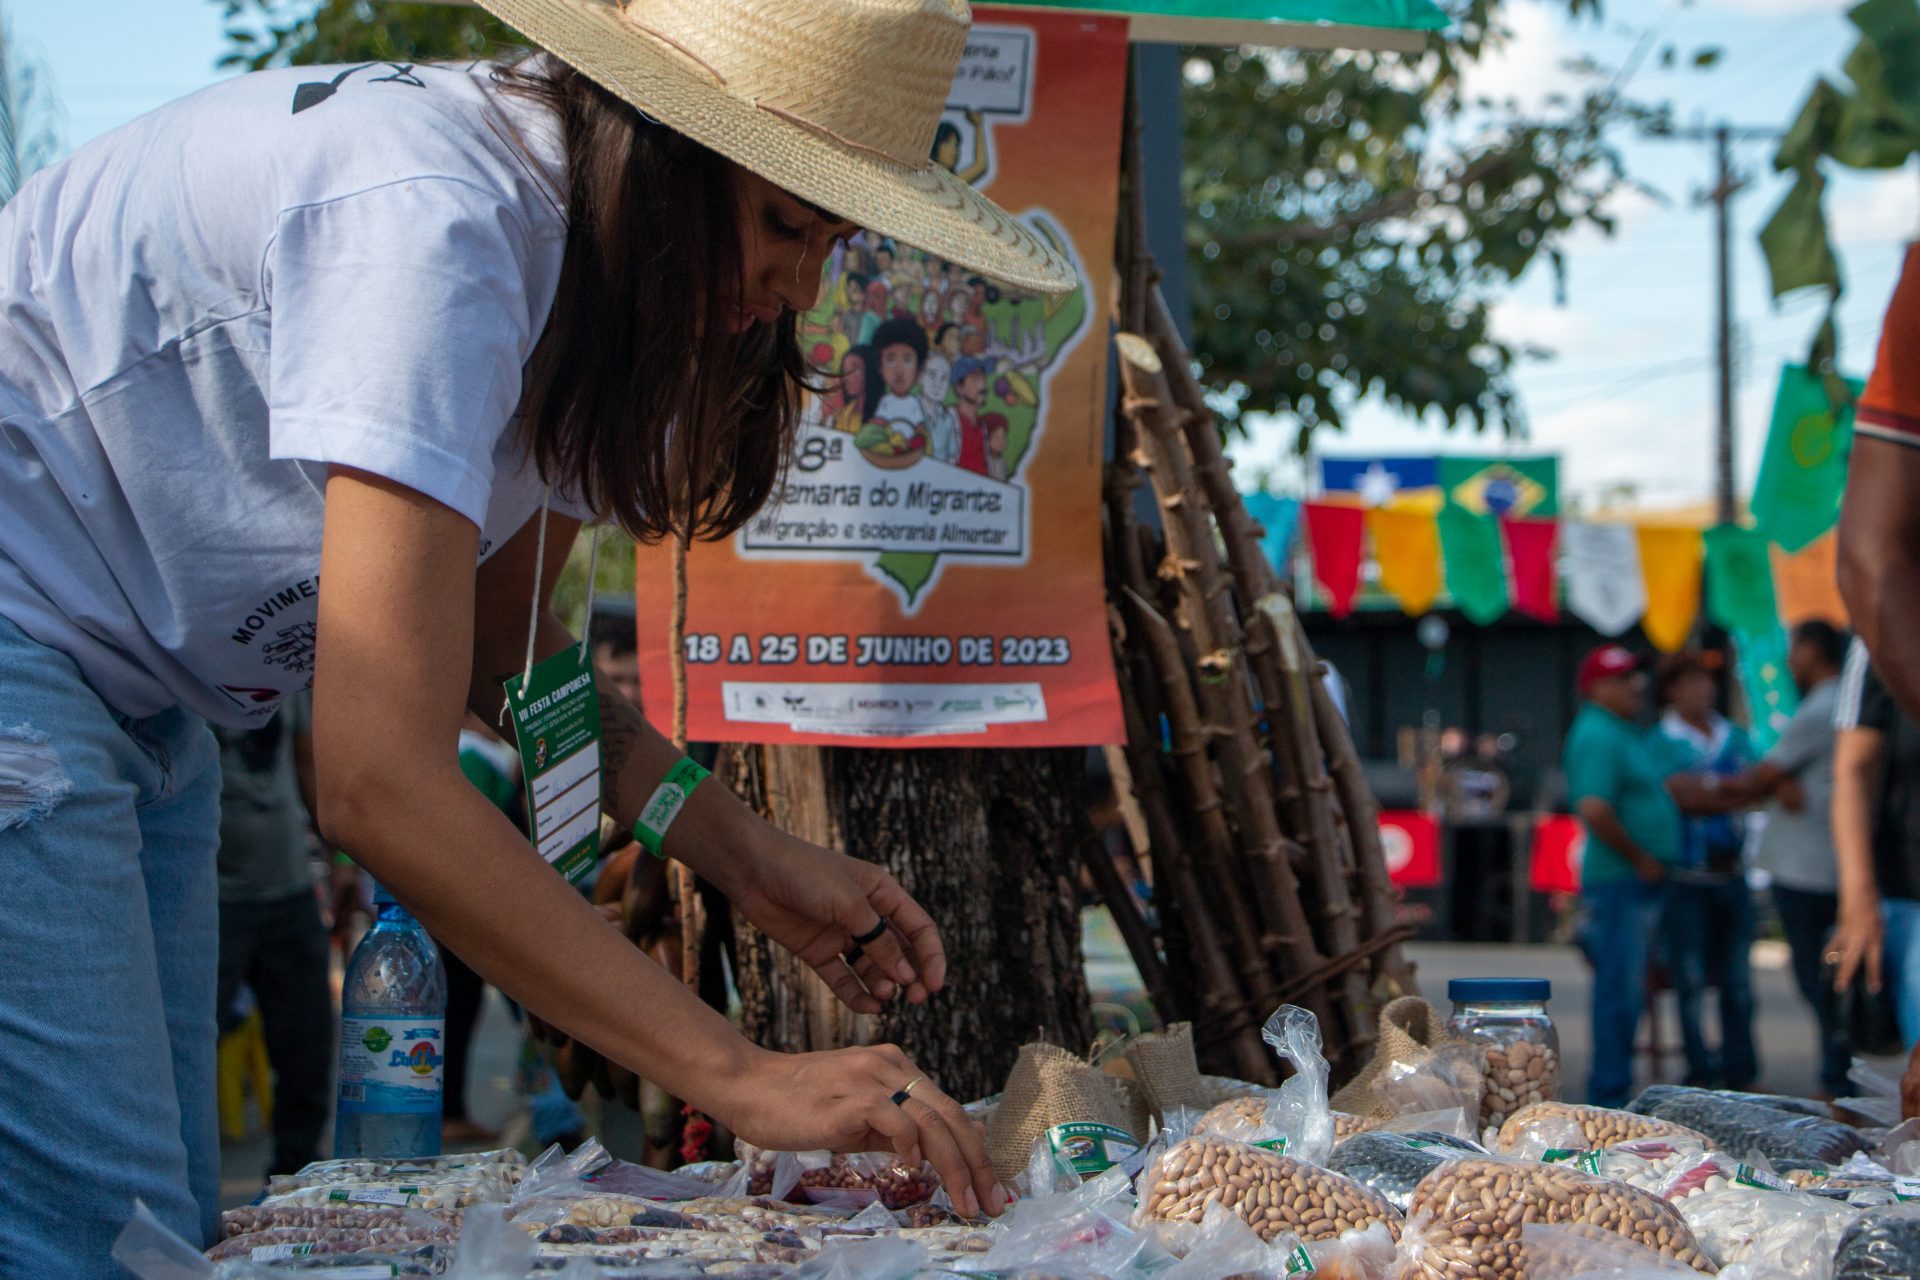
(1406, 543)
(1670, 563)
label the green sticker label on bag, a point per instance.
(1300, 1262)
(1273, 1144)
(1748, 1176)
(556, 725)
(1089, 1149)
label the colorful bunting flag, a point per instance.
(1530, 546)
(1740, 580)
(1280, 517)
(1804, 469)
(1807, 582)
(1475, 578)
(1605, 588)
(1407, 548)
(1670, 567)
(1502, 486)
(1771, 695)
(1335, 534)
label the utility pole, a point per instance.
(1726, 185)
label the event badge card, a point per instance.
(556, 724)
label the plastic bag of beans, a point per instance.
(1749, 1128)
(262, 1217)
(327, 1173)
(1466, 1218)
(295, 1242)
(1646, 1163)
(1575, 1250)
(1221, 1244)
(858, 1180)
(1394, 1163)
(1882, 1244)
(1273, 1193)
(1535, 1130)
(1655, 1094)
(1294, 1118)
(1739, 1213)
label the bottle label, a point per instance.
(391, 1065)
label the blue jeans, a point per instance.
(108, 939)
(1708, 941)
(1900, 963)
(1622, 920)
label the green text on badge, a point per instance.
(556, 725)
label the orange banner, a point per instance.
(930, 575)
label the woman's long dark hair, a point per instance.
(662, 422)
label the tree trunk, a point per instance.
(989, 842)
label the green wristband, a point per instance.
(650, 829)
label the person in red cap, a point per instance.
(1616, 783)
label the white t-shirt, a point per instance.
(201, 310)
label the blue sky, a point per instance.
(1630, 396)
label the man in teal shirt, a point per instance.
(1616, 782)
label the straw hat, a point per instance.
(834, 100)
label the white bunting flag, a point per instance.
(1605, 588)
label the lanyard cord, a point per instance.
(533, 611)
(593, 567)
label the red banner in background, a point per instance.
(1410, 840)
(1559, 841)
(1530, 550)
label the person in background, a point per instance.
(1707, 929)
(271, 937)
(1616, 781)
(613, 639)
(1876, 839)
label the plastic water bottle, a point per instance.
(393, 1026)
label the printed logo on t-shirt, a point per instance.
(281, 630)
(314, 92)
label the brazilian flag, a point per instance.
(1502, 486)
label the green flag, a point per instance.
(1804, 468)
(1771, 696)
(1470, 548)
(1502, 486)
(1740, 579)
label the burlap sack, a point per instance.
(1411, 1031)
(1048, 1086)
(1164, 1064)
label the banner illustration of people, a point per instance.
(930, 570)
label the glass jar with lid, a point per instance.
(1506, 1020)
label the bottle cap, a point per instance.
(381, 897)
(1485, 990)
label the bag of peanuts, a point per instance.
(1740, 1213)
(1466, 1218)
(1411, 1033)
(1048, 1089)
(1273, 1193)
(1295, 1117)
(1575, 1251)
(1533, 1131)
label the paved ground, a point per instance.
(1784, 1033)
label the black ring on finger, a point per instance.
(872, 935)
(853, 953)
(899, 1098)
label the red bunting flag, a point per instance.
(1335, 532)
(1531, 543)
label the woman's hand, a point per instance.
(1856, 942)
(815, 903)
(842, 1100)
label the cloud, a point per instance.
(1529, 66)
(1873, 209)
